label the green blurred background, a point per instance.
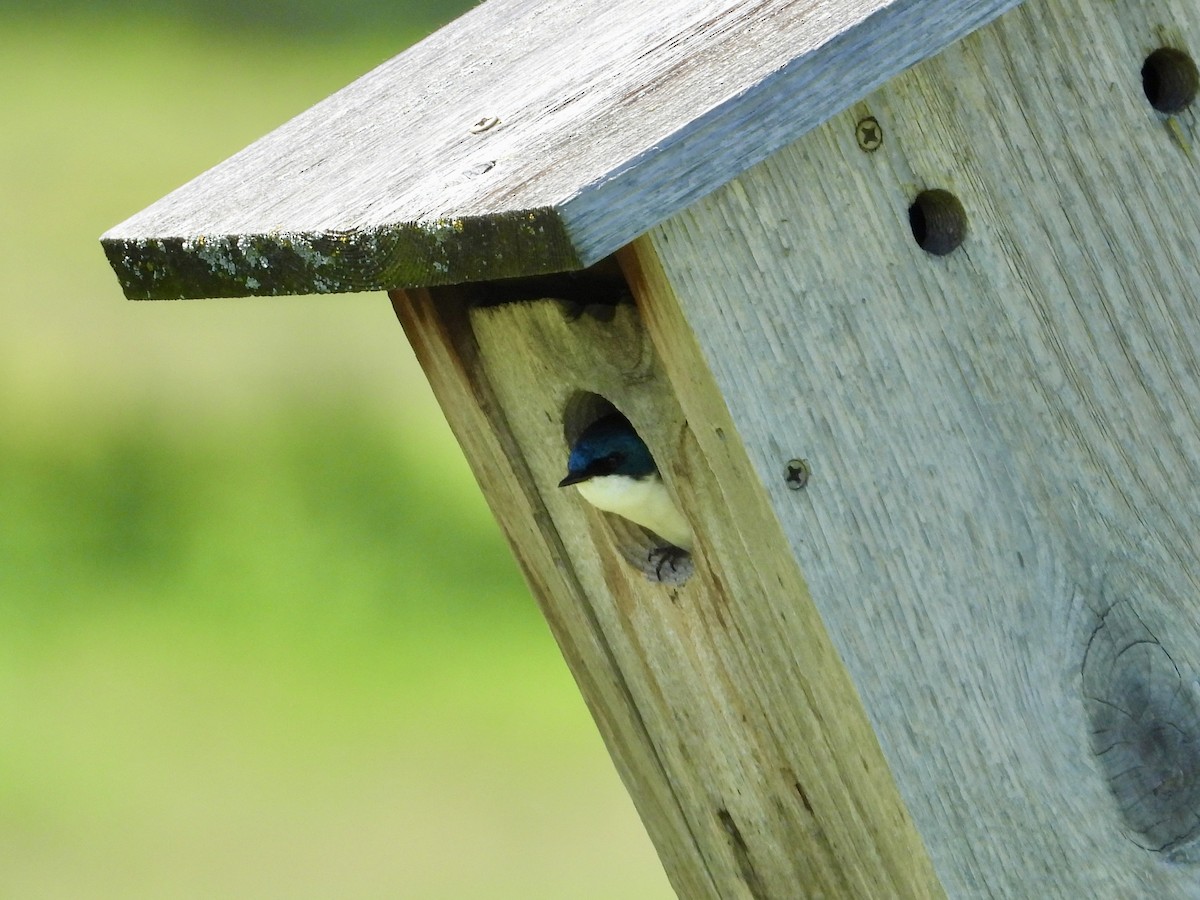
(259, 636)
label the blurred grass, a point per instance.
(258, 635)
(272, 19)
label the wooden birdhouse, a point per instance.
(904, 299)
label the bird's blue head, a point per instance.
(609, 446)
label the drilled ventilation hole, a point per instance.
(938, 221)
(1170, 80)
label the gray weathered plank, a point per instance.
(610, 116)
(1001, 526)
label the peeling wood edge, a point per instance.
(412, 254)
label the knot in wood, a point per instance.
(1145, 719)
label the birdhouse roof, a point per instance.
(526, 137)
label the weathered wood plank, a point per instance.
(1000, 530)
(726, 710)
(525, 137)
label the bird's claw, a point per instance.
(670, 564)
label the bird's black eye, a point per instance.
(612, 462)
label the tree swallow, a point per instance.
(615, 472)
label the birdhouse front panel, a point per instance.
(726, 709)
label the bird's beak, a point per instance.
(574, 478)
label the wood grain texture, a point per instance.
(726, 710)
(604, 119)
(1000, 530)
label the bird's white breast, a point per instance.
(641, 500)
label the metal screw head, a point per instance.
(869, 134)
(480, 168)
(485, 124)
(797, 473)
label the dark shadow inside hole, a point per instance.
(1170, 80)
(581, 411)
(938, 221)
(595, 292)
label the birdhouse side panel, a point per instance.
(969, 304)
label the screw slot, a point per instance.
(938, 221)
(797, 473)
(487, 123)
(478, 169)
(1170, 80)
(869, 134)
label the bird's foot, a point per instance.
(670, 564)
